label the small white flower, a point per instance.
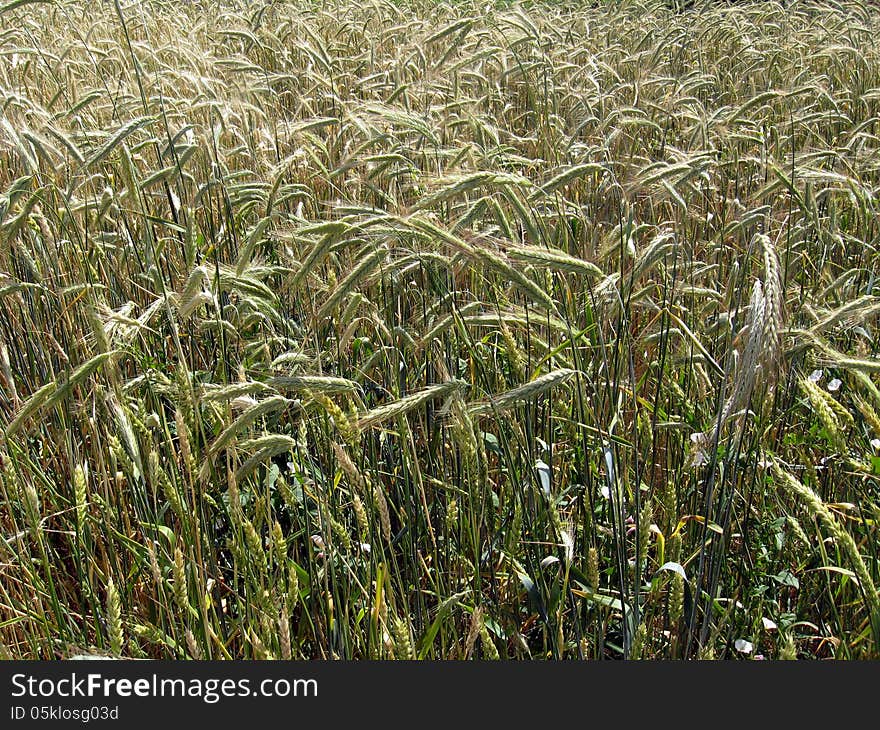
(743, 646)
(834, 385)
(769, 624)
(815, 376)
(875, 444)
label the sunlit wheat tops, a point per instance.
(439, 330)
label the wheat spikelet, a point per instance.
(155, 571)
(851, 313)
(183, 441)
(169, 490)
(51, 393)
(441, 325)
(522, 393)
(492, 259)
(179, 587)
(828, 356)
(513, 316)
(360, 514)
(463, 432)
(279, 543)
(260, 650)
(80, 491)
(256, 554)
(314, 383)
(774, 297)
(570, 174)
(347, 429)
(292, 588)
(348, 467)
(318, 250)
(639, 640)
(403, 646)
(842, 413)
(455, 188)
(657, 248)
(817, 508)
(489, 649)
(126, 431)
(254, 411)
(114, 619)
(195, 651)
(284, 634)
(381, 505)
(676, 598)
(6, 372)
(749, 363)
(263, 448)
(554, 259)
(788, 649)
(827, 414)
(408, 403)
(872, 418)
(194, 292)
(348, 284)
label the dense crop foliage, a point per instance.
(375, 330)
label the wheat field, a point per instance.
(394, 330)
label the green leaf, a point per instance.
(491, 441)
(785, 578)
